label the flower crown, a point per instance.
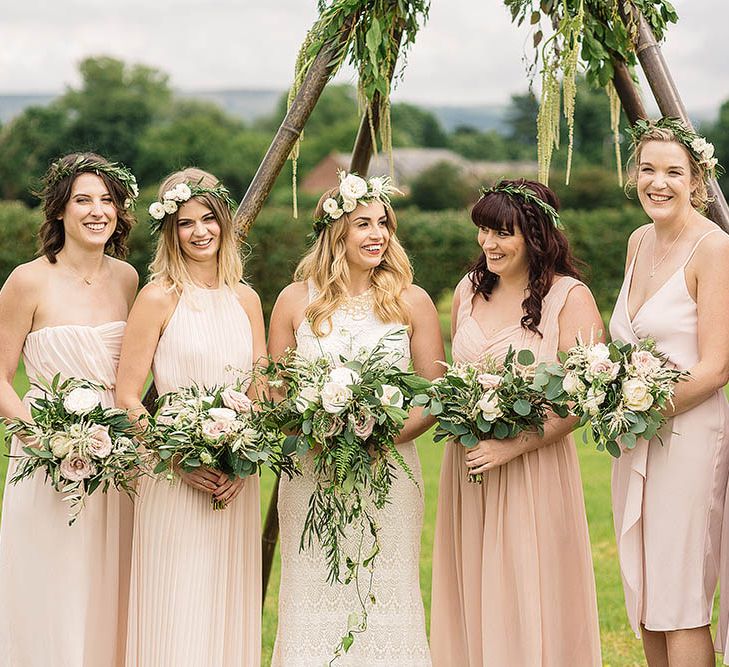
(700, 149)
(91, 165)
(524, 192)
(182, 192)
(354, 190)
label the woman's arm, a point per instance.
(17, 308)
(708, 273)
(426, 350)
(579, 318)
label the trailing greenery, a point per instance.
(597, 32)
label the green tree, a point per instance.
(521, 119)
(476, 145)
(441, 187)
(414, 126)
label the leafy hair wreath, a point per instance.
(87, 164)
(182, 192)
(527, 195)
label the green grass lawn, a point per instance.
(619, 647)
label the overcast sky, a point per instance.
(468, 53)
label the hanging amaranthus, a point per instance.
(371, 33)
(615, 109)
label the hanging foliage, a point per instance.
(590, 32)
(370, 34)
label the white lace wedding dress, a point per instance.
(313, 614)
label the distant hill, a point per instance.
(483, 118)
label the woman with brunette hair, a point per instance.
(354, 289)
(64, 589)
(512, 570)
(668, 493)
(195, 595)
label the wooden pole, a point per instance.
(628, 92)
(669, 100)
(287, 135)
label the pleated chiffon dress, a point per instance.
(63, 599)
(668, 499)
(195, 596)
(513, 583)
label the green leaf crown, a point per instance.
(353, 191)
(701, 150)
(86, 164)
(179, 194)
(525, 194)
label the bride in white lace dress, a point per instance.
(355, 286)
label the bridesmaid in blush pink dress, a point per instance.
(195, 595)
(64, 588)
(668, 499)
(512, 571)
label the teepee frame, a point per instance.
(651, 60)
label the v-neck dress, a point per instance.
(668, 498)
(513, 583)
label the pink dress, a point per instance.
(512, 569)
(668, 499)
(195, 597)
(64, 588)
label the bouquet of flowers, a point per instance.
(349, 416)
(619, 389)
(487, 399)
(80, 444)
(216, 427)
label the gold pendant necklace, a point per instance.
(654, 264)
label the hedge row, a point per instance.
(441, 245)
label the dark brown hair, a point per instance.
(55, 195)
(548, 250)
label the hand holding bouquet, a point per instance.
(81, 445)
(618, 388)
(218, 428)
(486, 399)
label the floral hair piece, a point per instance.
(527, 195)
(182, 192)
(700, 149)
(354, 190)
(85, 164)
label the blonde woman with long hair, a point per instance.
(353, 288)
(195, 596)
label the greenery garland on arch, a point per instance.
(593, 32)
(377, 31)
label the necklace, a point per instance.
(87, 280)
(654, 264)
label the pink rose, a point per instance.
(213, 430)
(363, 426)
(236, 400)
(489, 380)
(644, 362)
(76, 468)
(599, 367)
(100, 444)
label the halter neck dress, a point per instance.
(513, 583)
(668, 498)
(64, 588)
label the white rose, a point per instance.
(183, 192)
(169, 206)
(699, 144)
(156, 210)
(593, 401)
(353, 187)
(489, 406)
(81, 400)
(334, 397)
(344, 375)
(222, 414)
(708, 151)
(337, 214)
(171, 195)
(645, 363)
(572, 384)
(60, 444)
(307, 397)
(213, 430)
(489, 380)
(391, 396)
(348, 205)
(330, 205)
(597, 352)
(636, 395)
(376, 186)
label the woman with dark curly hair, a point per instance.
(512, 570)
(65, 588)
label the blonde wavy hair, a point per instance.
(326, 265)
(700, 198)
(169, 267)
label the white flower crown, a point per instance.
(354, 190)
(182, 192)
